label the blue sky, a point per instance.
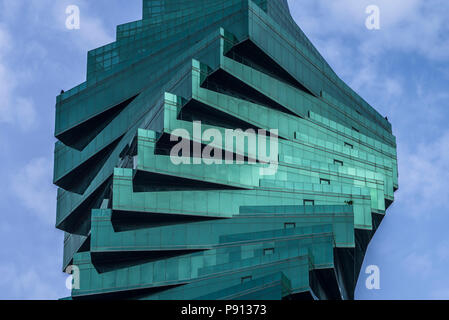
(401, 69)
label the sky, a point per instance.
(401, 69)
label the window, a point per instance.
(246, 279)
(309, 202)
(268, 251)
(289, 225)
(338, 162)
(355, 129)
(349, 145)
(325, 181)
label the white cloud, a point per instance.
(359, 56)
(24, 285)
(14, 108)
(32, 185)
(418, 265)
(423, 184)
(26, 113)
(92, 32)
(409, 26)
(5, 41)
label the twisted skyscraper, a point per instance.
(140, 226)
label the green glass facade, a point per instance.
(139, 226)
